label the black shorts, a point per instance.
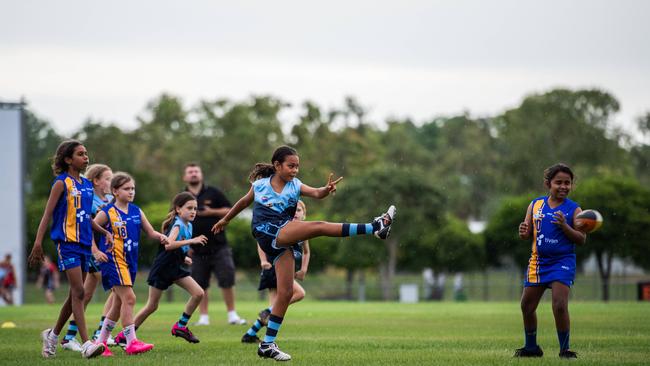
(220, 263)
(268, 279)
(163, 275)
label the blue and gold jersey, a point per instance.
(274, 207)
(71, 217)
(551, 247)
(125, 227)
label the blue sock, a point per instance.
(182, 322)
(272, 329)
(531, 339)
(254, 329)
(72, 331)
(563, 338)
(356, 229)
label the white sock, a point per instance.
(204, 318)
(232, 315)
(129, 333)
(107, 328)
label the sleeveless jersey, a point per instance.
(273, 207)
(71, 217)
(177, 255)
(551, 247)
(125, 227)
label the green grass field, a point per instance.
(346, 333)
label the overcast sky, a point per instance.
(77, 59)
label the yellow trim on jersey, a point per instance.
(70, 227)
(533, 263)
(119, 258)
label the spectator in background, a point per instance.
(7, 280)
(48, 279)
(215, 256)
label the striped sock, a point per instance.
(356, 229)
(72, 331)
(252, 331)
(563, 338)
(272, 329)
(182, 322)
(101, 322)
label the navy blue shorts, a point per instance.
(163, 275)
(93, 266)
(266, 235)
(71, 255)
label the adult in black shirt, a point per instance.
(216, 256)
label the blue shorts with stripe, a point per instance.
(266, 235)
(71, 255)
(112, 277)
(560, 270)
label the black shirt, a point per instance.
(202, 225)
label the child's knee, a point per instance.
(285, 294)
(152, 306)
(560, 306)
(77, 293)
(129, 299)
(199, 294)
(299, 294)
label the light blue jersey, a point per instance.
(99, 203)
(273, 207)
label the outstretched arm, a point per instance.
(321, 192)
(173, 243)
(234, 211)
(151, 233)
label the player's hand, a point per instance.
(164, 240)
(219, 226)
(266, 265)
(201, 239)
(188, 261)
(300, 275)
(331, 185)
(36, 256)
(100, 256)
(523, 229)
(559, 218)
(109, 241)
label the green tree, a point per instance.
(574, 127)
(420, 209)
(625, 206)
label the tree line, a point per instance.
(440, 173)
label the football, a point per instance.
(589, 221)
